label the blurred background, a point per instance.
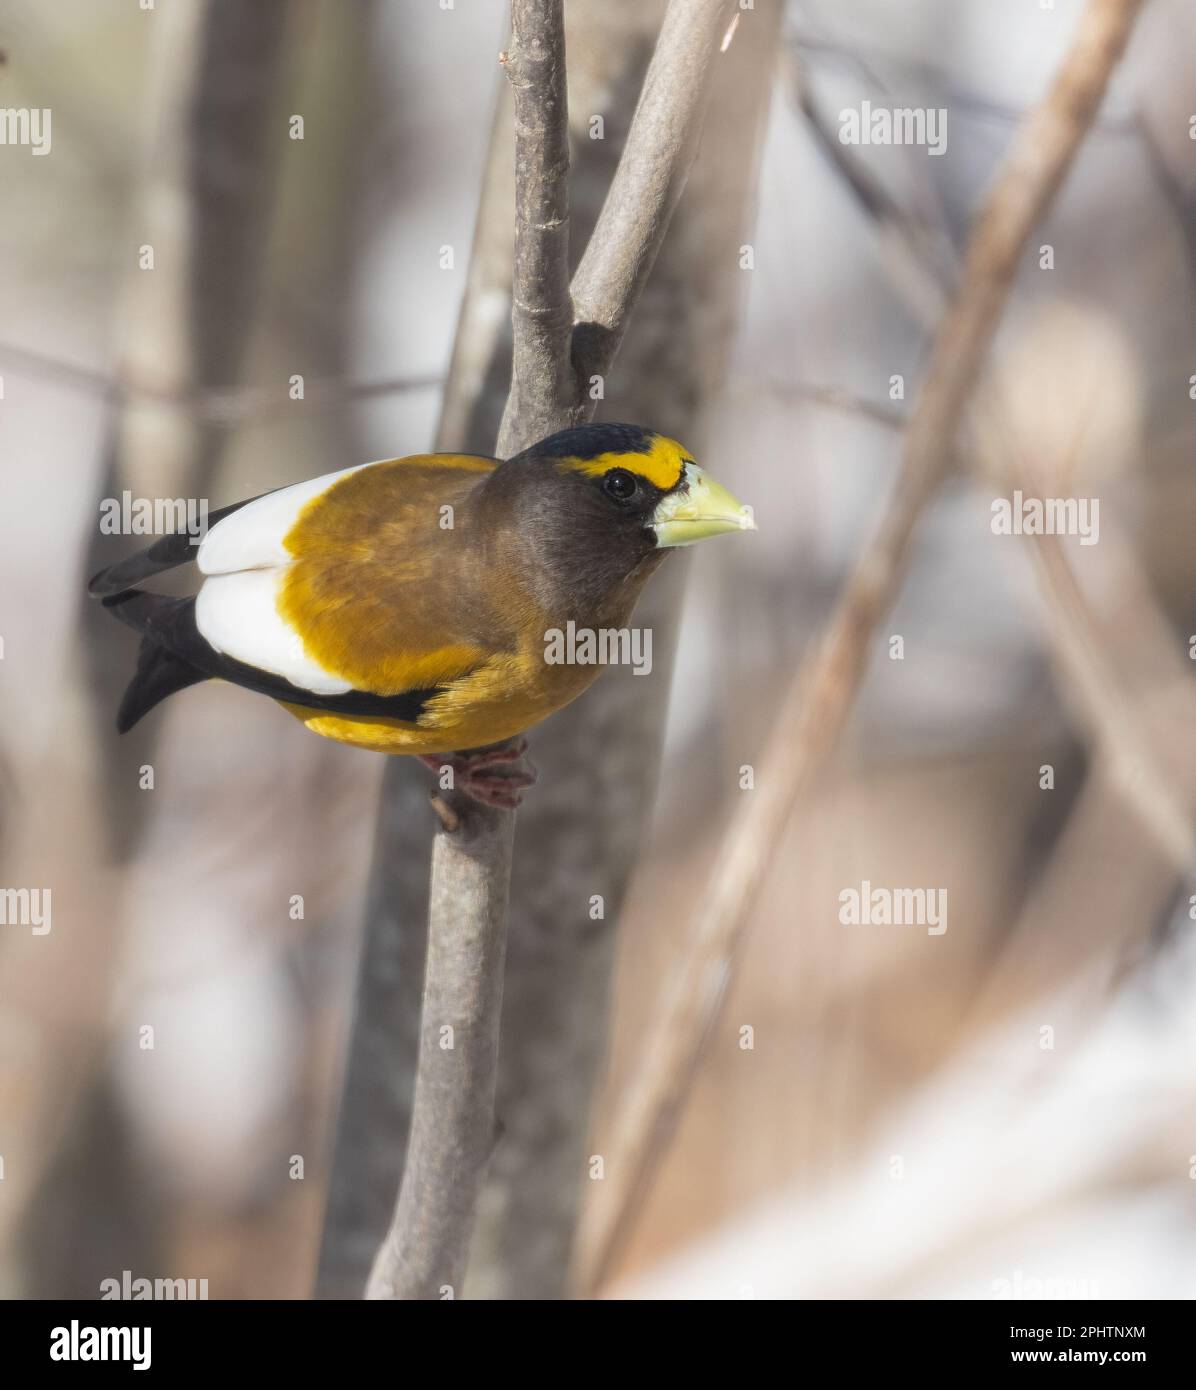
(1005, 1109)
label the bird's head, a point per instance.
(599, 506)
(639, 481)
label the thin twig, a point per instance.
(819, 701)
(933, 76)
(815, 393)
(1153, 792)
(1180, 195)
(918, 257)
(660, 148)
(214, 405)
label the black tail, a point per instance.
(166, 553)
(174, 654)
(160, 671)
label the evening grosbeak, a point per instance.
(403, 606)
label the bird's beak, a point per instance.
(698, 508)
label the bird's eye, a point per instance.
(620, 484)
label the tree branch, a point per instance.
(374, 1120)
(452, 1123)
(541, 307)
(818, 704)
(656, 160)
(452, 1128)
(222, 405)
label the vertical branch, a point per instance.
(452, 1127)
(819, 701)
(541, 306)
(374, 1118)
(452, 1122)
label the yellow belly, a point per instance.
(398, 736)
(489, 706)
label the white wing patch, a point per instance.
(238, 615)
(251, 538)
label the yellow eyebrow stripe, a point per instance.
(661, 465)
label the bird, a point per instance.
(405, 606)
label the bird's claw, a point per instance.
(476, 773)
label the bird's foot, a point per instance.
(488, 775)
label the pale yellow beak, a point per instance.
(698, 508)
